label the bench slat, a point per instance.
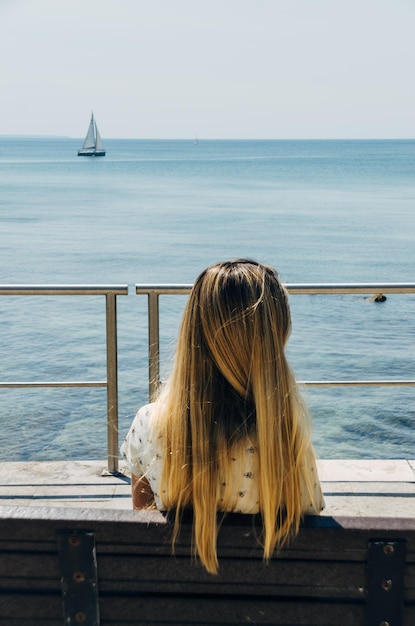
(164, 610)
(27, 609)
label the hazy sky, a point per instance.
(215, 68)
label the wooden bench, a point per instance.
(88, 567)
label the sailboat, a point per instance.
(93, 145)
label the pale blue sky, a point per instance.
(218, 68)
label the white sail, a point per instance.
(98, 141)
(90, 136)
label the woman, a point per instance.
(229, 431)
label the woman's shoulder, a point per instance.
(144, 419)
(141, 424)
(145, 413)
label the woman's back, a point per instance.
(229, 431)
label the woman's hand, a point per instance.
(142, 494)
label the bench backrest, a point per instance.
(94, 567)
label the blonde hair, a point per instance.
(230, 381)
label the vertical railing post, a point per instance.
(112, 382)
(153, 344)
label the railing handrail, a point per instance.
(111, 383)
(294, 288)
(63, 290)
(153, 291)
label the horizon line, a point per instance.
(41, 136)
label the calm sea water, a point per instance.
(160, 211)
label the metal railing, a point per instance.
(111, 383)
(154, 292)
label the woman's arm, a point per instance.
(142, 494)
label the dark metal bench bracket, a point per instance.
(385, 591)
(79, 578)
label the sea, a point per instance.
(160, 211)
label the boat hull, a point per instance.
(91, 153)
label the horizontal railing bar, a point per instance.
(360, 383)
(63, 290)
(346, 288)
(308, 383)
(296, 288)
(163, 289)
(92, 383)
(353, 383)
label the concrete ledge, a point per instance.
(359, 488)
(368, 488)
(63, 484)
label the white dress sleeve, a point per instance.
(141, 454)
(135, 447)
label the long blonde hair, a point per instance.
(230, 381)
